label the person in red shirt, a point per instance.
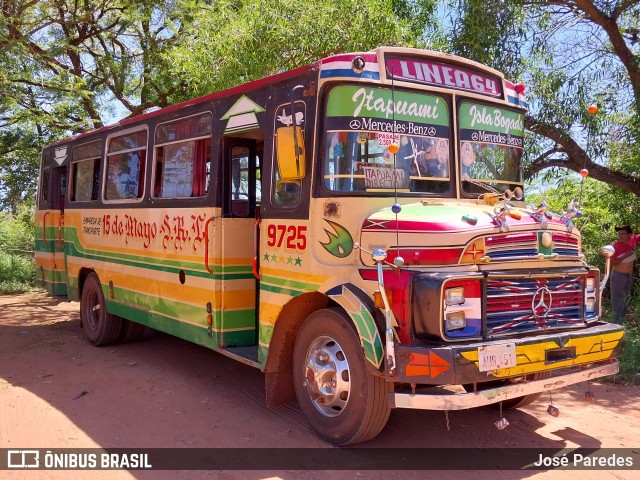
(622, 264)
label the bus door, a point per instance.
(58, 191)
(239, 287)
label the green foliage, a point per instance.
(489, 33)
(569, 55)
(69, 66)
(603, 206)
(19, 160)
(630, 359)
(232, 42)
(17, 268)
(17, 273)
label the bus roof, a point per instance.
(195, 101)
(333, 66)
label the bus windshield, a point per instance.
(361, 123)
(491, 146)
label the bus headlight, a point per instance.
(590, 296)
(455, 321)
(454, 296)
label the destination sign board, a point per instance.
(443, 75)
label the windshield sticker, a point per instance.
(385, 177)
(288, 121)
(340, 242)
(358, 108)
(467, 154)
(487, 124)
(242, 115)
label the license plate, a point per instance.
(494, 357)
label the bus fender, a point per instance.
(365, 317)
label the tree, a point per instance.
(231, 42)
(72, 66)
(69, 66)
(571, 53)
(19, 160)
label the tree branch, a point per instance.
(576, 158)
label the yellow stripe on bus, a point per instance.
(289, 275)
(531, 358)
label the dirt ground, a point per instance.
(58, 391)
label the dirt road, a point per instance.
(58, 391)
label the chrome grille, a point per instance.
(512, 245)
(525, 244)
(526, 304)
(565, 244)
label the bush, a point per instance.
(17, 266)
(17, 273)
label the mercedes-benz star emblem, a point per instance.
(541, 302)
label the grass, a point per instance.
(630, 359)
(17, 273)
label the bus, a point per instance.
(355, 228)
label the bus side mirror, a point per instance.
(290, 153)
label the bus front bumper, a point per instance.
(461, 401)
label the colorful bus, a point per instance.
(355, 228)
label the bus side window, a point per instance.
(85, 172)
(183, 157)
(126, 161)
(182, 169)
(44, 183)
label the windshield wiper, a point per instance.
(482, 185)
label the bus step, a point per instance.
(249, 353)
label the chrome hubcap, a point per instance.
(327, 377)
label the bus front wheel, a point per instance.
(342, 400)
(100, 326)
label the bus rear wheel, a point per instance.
(342, 400)
(100, 326)
(131, 331)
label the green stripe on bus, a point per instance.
(304, 286)
(193, 333)
(168, 265)
(144, 264)
(265, 334)
(226, 320)
(263, 352)
(283, 291)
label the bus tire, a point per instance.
(342, 400)
(100, 326)
(131, 331)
